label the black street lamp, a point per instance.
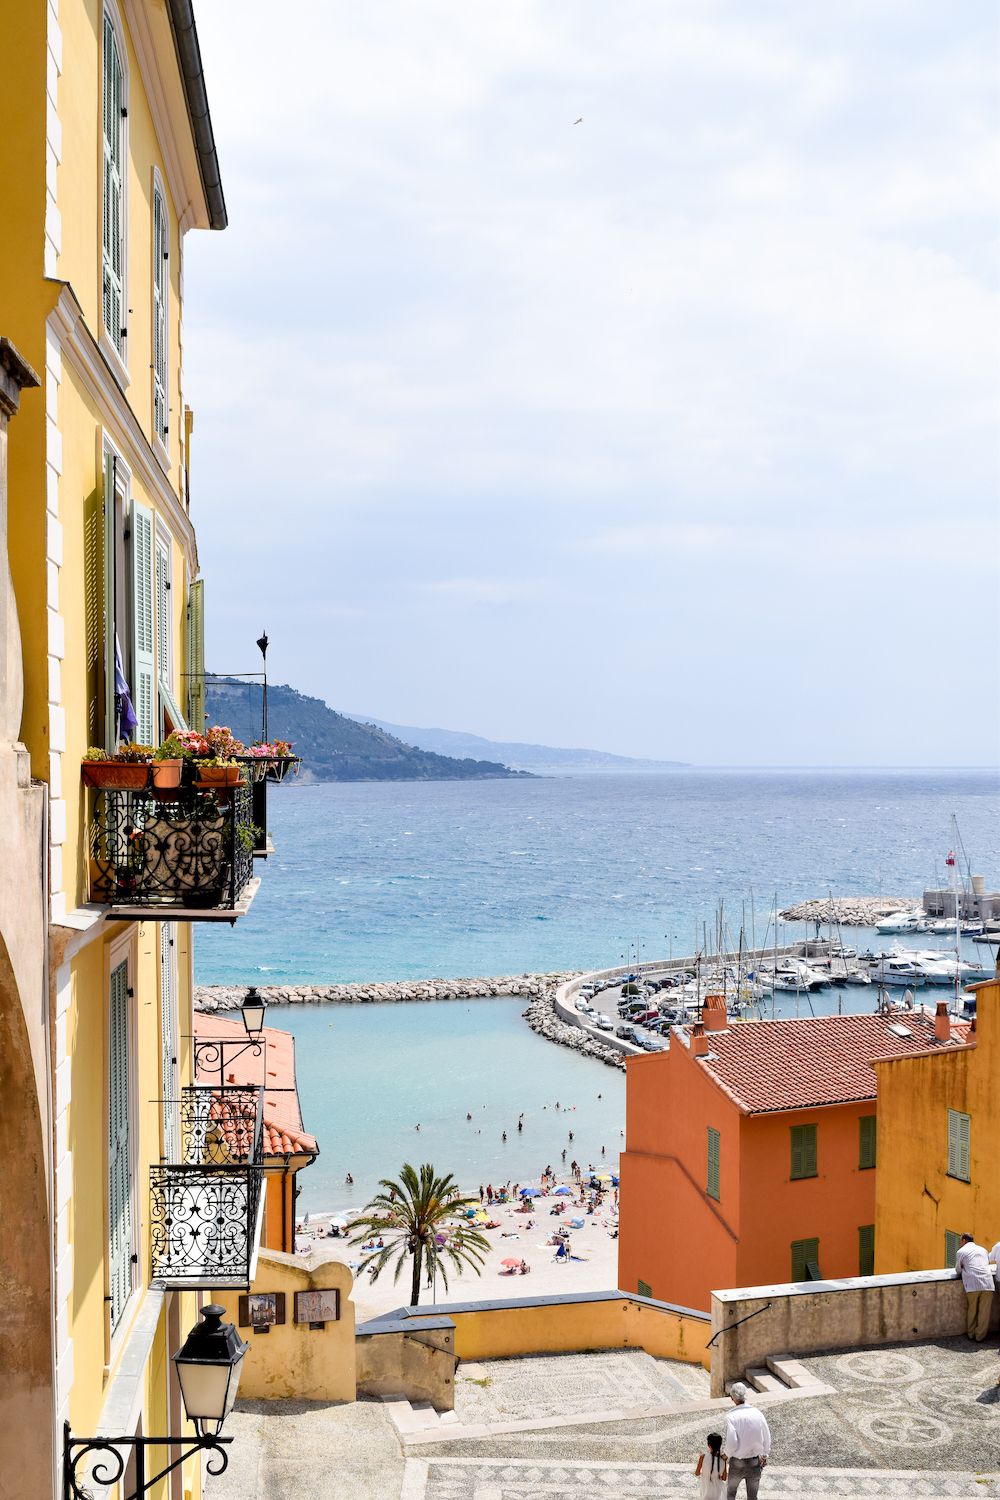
(253, 1008)
(208, 1363)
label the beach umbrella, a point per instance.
(562, 1192)
(531, 1192)
(576, 1223)
(604, 1176)
(512, 1260)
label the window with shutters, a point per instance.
(866, 1250)
(959, 1129)
(714, 1161)
(115, 114)
(196, 656)
(952, 1244)
(120, 1235)
(866, 1141)
(168, 1039)
(142, 683)
(803, 1147)
(804, 1254)
(170, 714)
(161, 289)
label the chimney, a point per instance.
(713, 1013)
(942, 1022)
(699, 1041)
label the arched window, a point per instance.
(114, 258)
(161, 293)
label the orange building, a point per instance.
(224, 1055)
(750, 1151)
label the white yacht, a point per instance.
(900, 921)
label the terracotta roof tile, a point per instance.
(283, 1131)
(769, 1066)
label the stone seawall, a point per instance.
(222, 997)
(538, 989)
(849, 911)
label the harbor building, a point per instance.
(131, 1193)
(751, 1150)
(975, 903)
(939, 1115)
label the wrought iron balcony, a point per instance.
(205, 1210)
(185, 853)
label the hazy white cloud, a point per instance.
(457, 351)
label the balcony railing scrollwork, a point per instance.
(204, 1209)
(188, 851)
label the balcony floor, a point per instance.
(122, 912)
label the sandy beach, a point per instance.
(593, 1265)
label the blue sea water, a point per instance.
(387, 881)
(399, 880)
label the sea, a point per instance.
(381, 881)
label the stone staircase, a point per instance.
(784, 1376)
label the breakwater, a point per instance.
(849, 911)
(538, 989)
(223, 997)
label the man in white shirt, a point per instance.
(746, 1444)
(973, 1265)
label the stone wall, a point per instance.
(849, 911)
(221, 997)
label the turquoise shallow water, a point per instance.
(368, 1075)
(390, 881)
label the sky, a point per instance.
(616, 375)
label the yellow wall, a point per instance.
(916, 1200)
(293, 1361)
(562, 1327)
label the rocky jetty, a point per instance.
(541, 1017)
(538, 989)
(849, 911)
(221, 997)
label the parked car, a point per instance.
(588, 1010)
(604, 1023)
(627, 1033)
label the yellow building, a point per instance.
(109, 161)
(938, 1122)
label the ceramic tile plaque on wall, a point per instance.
(317, 1308)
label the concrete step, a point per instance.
(764, 1380)
(791, 1371)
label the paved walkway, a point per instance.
(917, 1421)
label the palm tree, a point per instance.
(423, 1216)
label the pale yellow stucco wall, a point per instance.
(915, 1199)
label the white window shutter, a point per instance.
(196, 656)
(119, 1149)
(160, 288)
(114, 205)
(144, 686)
(168, 1039)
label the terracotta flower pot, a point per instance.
(167, 774)
(119, 775)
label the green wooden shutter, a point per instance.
(168, 1039)
(196, 656)
(160, 252)
(714, 1163)
(119, 1149)
(952, 1243)
(866, 1250)
(144, 686)
(113, 236)
(866, 1141)
(803, 1148)
(803, 1251)
(959, 1133)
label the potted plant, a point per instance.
(168, 764)
(126, 771)
(279, 757)
(213, 772)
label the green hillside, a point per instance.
(334, 748)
